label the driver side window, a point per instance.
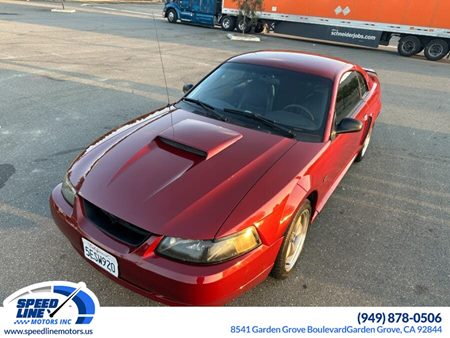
(348, 96)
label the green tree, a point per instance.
(248, 13)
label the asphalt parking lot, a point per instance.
(65, 79)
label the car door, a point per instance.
(365, 111)
(349, 103)
(343, 148)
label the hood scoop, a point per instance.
(199, 138)
(167, 143)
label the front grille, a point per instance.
(114, 226)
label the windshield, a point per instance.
(297, 101)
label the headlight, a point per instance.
(213, 251)
(68, 190)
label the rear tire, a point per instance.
(172, 16)
(409, 45)
(228, 23)
(293, 242)
(436, 49)
(259, 28)
(366, 143)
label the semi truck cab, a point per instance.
(198, 12)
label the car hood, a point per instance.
(179, 175)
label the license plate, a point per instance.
(100, 257)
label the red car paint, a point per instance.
(248, 177)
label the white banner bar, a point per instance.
(247, 322)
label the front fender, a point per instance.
(305, 183)
(274, 199)
(171, 5)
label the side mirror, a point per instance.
(348, 125)
(187, 87)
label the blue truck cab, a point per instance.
(197, 12)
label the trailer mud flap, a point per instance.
(362, 37)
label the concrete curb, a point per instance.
(56, 10)
(243, 37)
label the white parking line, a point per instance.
(87, 8)
(35, 218)
(152, 13)
(12, 77)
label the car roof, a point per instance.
(297, 61)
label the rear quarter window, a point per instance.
(363, 88)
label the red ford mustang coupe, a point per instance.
(197, 202)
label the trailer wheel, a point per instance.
(259, 28)
(409, 45)
(243, 25)
(172, 16)
(228, 23)
(436, 49)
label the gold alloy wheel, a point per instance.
(297, 239)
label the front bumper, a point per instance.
(159, 278)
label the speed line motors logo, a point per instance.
(52, 304)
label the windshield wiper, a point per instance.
(260, 118)
(210, 109)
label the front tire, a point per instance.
(172, 16)
(436, 49)
(228, 23)
(293, 242)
